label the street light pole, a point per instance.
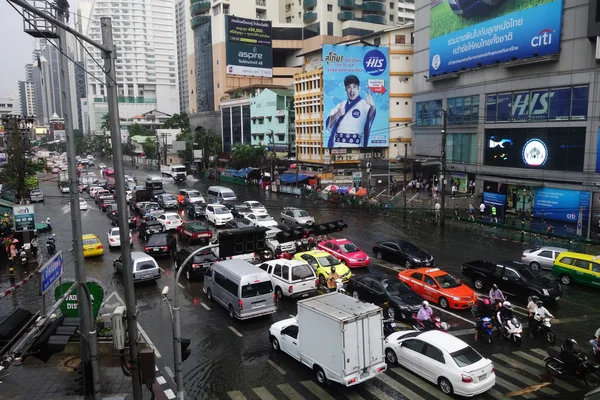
(405, 168)
(443, 179)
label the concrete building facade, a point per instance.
(272, 121)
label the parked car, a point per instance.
(36, 195)
(322, 262)
(264, 220)
(256, 207)
(578, 267)
(218, 214)
(196, 210)
(114, 238)
(513, 277)
(402, 252)
(291, 278)
(439, 287)
(167, 201)
(442, 359)
(191, 196)
(170, 220)
(161, 244)
(148, 228)
(92, 246)
(541, 257)
(292, 214)
(346, 251)
(379, 289)
(198, 265)
(145, 267)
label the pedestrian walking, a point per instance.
(471, 213)
(438, 209)
(481, 210)
(456, 217)
(494, 214)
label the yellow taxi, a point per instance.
(322, 262)
(92, 246)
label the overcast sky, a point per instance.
(15, 46)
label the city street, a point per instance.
(234, 359)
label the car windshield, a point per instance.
(257, 289)
(529, 274)
(349, 248)
(82, 200)
(395, 288)
(465, 357)
(221, 210)
(301, 213)
(144, 265)
(37, 191)
(242, 207)
(153, 225)
(228, 195)
(328, 261)
(199, 207)
(114, 232)
(168, 197)
(255, 204)
(157, 240)
(264, 218)
(173, 217)
(194, 193)
(88, 241)
(447, 281)
(151, 205)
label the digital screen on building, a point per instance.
(248, 47)
(467, 34)
(561, 204)
(560, 149)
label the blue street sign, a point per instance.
(51, 271)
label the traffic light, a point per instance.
(54, 338)
(293, 234)
(233, 242)
(185, 352)
(329, 227)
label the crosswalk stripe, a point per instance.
(496, 394)
(353, 395)
(512, 388)
(263, 393)
(532, 371)
(521, 378)
(236, 395)
(544, 352)
(417, 381)
(316, 390)
(376, 392)
(530, 358)
(406, 392)
(290, 392)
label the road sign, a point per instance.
(24, 217)
(51, 271)
(69, 306)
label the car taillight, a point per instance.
(111, 240)
(240, 305)
(147, 248)
(134, 219)
(466, 378)
(99, 246)
(493, 370)
(168, 222)
(291, 289)
(194, 266)
(165, 248)
(522, 255)
(380, 369)
(351, 381)
(316, 283)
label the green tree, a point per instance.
(139, 130)
(149, 147)
(80, 142)
(105, 125)
(246, 155)
(19, 171)
(178, 121)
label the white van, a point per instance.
(291, 278)
(241, 288)
(220, 194)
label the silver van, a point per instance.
(240, 287)
(145, 267)
(220, 194)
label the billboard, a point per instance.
(467, 34)
(561, 204)
(248, 47)
(24, 217)
(356, 102)
(58, 130)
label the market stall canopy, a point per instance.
(291, 178)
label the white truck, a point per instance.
(63, 182)
(337, 336)
(273, 244)
(176, 171)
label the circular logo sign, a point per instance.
(535, 153)
(374, 62)
(356, 113)
(436, 61)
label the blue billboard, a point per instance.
(356, 101)
(496, 199)
(466, 34)
(561, 204)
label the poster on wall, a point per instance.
(356, 96)
(561, 204)
(248, 47)
(461, 181)
(470, 34)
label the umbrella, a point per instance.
(352, 191)
(343, 190)
(331, 188)
(15, 240)
(361, 192)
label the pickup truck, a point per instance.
(194, 230)
(513, 278)
(176, 171)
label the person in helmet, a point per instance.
(496, 294)
(570, 355)
(539, 314)
(480, 312)
(505, 313)
(331, 285)
(532, 305)
(424, 315)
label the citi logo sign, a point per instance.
(571, 216)
(543, 39)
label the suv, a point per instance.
(541, 257)
(293, 214)
(191, 196)
(145, 267)
(198, 265)
(36, 195)
(161, 244)
(218, 214)
(291, 278)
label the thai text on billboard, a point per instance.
(470, 34)
(356, 102)
(561, 204)
(248, 47)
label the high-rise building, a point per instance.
(27, 92)
(46, 73)
(15, 97)
(185, 48)
(406, 11)
(146, 65)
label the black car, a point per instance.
(196, 210)
(379, 289)
(106, 203)
(199, 263)
(110, 208)
(402, 252)
(238, 223)
(148, 228)
(161, 244)
(114, 219)
(239, 210)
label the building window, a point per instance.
(429, 113)
(329, 7)
(391, 6)
(288, 7)
(463, 110)
(400, 39)
(330, 28)
(391, 17)
(377, 41)
(288, 19)
(462, 148)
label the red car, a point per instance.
(109, 172)
(345, 251)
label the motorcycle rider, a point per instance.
(331, 281)
(540, 313)
(424, 315)
(569, 355)
(531, 307)
(505, 314)
(479, 313)
(496, 294)
(595, 342)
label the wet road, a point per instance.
(233, 359)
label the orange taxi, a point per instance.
(439, 287)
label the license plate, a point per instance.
(146, 276)
(155, 249)
(482, 377)
(304, 294)
(426, 264)
(557, 298)
(470, 303)
(259, 304)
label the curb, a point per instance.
(161, 386)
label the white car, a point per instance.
(114, 240)
(442, 359)
(264, 220)
(90, 157)
(256, 207)
(82, 204)
(94, 189)
(101, 166)
(191, 196)
(128, 195)
(218, 214)
(541, 257)
(170, 221)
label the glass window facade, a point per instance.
(429, 113)
(463, 110)
(461, 148)
(236, 125)
(205, 90)
(226, 121)
(246, 124)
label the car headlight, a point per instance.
(415, 259)
(455, 298)
(353, 259)
(545, 292)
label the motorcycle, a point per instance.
(389, 327)
(486, 329)
(51, 244)
(339, 287)
(586, 371)
(512, 330)
(435, 324)
(544, 328)
(23, 257)
(263, 256)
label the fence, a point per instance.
(145, 162)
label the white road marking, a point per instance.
(317, 390)
(277, 367)
(232, 329)
(236, 395)
(530, 358)
(263, 393)
(496, 394)
(353, 396)
(290, 392)
(160, 380)
(205, 306)
(407, 375)
(169, 393)
(453, 314)
(156, 368)
(462, 332)
(181, 286)
(522, 378)
(145, 335)
(409, 394)
(512, 388)
(170, 373)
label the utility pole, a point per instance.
(164, 136)
(89, 353)
(405, 168)
(115, 134)
(443, 178)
